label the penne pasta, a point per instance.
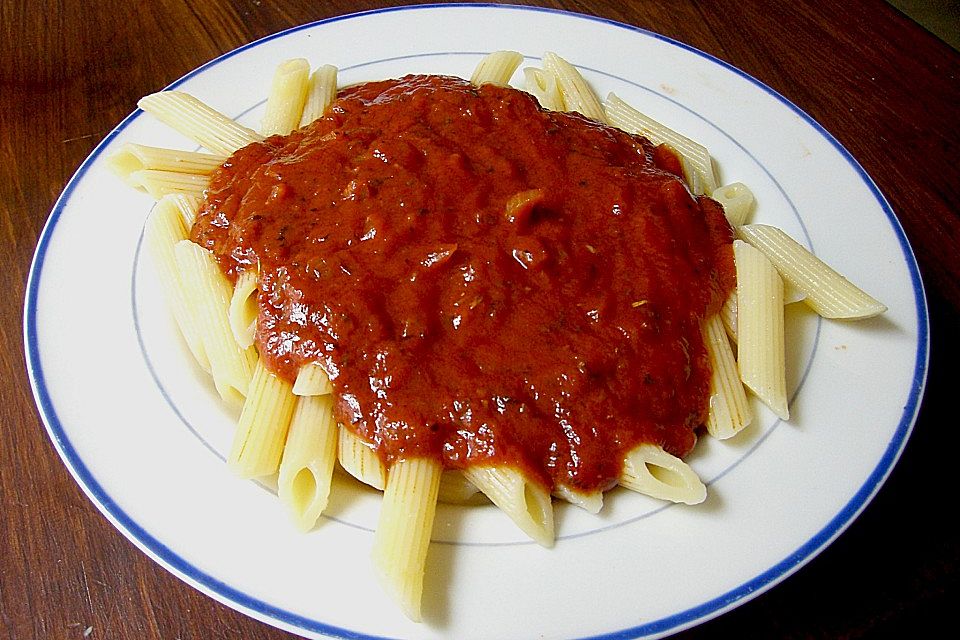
(577, 94)
(760, 346)
(163, 230)
(321, 91)
(525, 502)
(403, 531)
(360, 460)
(309, 458)
(826, 291)
(729, 410)
(728, 315)
(199, 122)
(590, 502)
(650, 470)
(262, 427)
(728, 312)
(312, 380)
(697, 164)
(288, 94)
(208, 293)
(543, 85)
(138, 157)
(243, 307)
(737, 201)
(188, 207)
(165, 183)
(496, 68)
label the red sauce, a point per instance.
(483, 280)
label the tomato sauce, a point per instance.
(483, 280)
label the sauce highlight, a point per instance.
(483, 280)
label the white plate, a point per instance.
(145, 437)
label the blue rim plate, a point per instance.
(143, 435)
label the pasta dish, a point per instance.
(454, 289)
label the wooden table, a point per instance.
(888, 90)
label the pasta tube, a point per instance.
(208, 293)
(729, 410)
(164, 183)
(163, 230)
(199, 122)
(288, 93)
(403, 532)
(188, 207)
(312, 380)
(650, 470)
(455, 488)
(543, 85)
(760, 347)
(243, 308)
(309, 457)
(577, 94)
(262, 427)
(321, 91)
(697, 164)
(728, 314)
(827, 292)
(737, 201)
(360, 460)
(590, 502)
(137, 157)
(525, 502)
(496, 68)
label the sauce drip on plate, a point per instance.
(483, 280)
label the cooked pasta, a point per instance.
(760, 343)
(243, 308)
(204, 125)
(312, 380)
(496, 68)
(403, 531)
(826, 291)
(526, 502)
(697, 164)
(321, 91)
(163, 230)
(263, 424)
(309, 459)
(650, 470)
(543, 85)
(360, 460)
(456, 489)
(577, 94)
(208, 293)
(138, 157)
(728, 315)
(288, 94)
(165, 183)
(729, 410)
(737, 201)
(589, 501)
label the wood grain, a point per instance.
(888, 90)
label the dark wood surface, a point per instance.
(71, 70)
